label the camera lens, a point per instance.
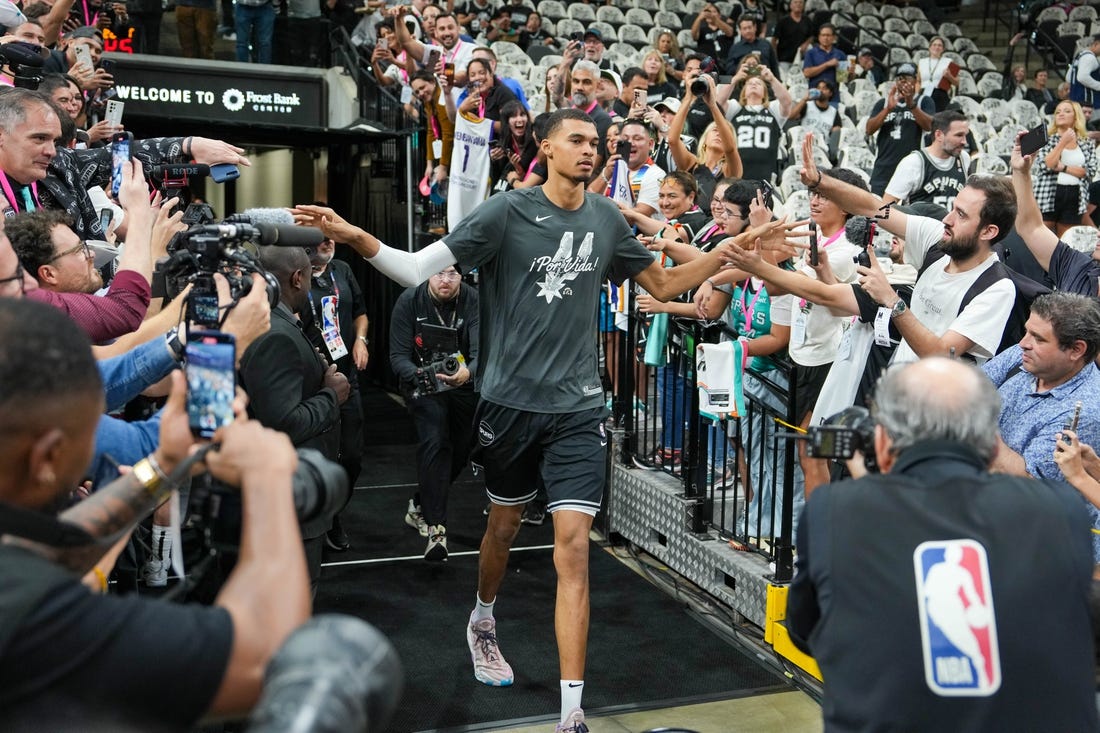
(450, 366)
(698, 87)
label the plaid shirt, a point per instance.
(1045, 180)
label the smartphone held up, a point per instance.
(211, 381)
(121, 152)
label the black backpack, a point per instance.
(1027, 290)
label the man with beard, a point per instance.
(441, 404)
(938, 323)
(454, 49)
(585, 80)
(938, 172)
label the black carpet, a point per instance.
(643, 646)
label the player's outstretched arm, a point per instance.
(404, 268)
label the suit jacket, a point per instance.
(284, 378)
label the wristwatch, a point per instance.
(899, 308)
(365, 340)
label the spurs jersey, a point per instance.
(758, 136)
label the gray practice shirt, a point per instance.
(542, 269)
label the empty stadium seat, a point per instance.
(611, 15)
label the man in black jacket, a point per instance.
(291, 387)
(437, 319)
(947, 570)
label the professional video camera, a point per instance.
(441, 342)
(25, 61)
(841, 435)
(320, 490)
(226, 247)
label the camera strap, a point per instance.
(42, 528)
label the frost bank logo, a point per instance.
(233, 100)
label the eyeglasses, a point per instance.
(448, 275)
(19, 277)
(86, 254)
(734, 213)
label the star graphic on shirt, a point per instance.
(551, 287)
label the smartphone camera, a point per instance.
(815, 94)
(120, 153)
(576, 36)
(211, 381)
(623, 148)
(449, 72)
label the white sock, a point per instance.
(571, 691)
(162, 542)
(482, 610)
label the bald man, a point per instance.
(919, 559)
(291, 388)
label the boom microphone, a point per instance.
(179, 172)
(283, 235)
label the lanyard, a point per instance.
(454, 52)
(335, 288)
(749, 309)
(437, 133)
(481, 105)
(454, 314)
(10, 194)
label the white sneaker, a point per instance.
(154, 571)
(415, 519)
(437, 544)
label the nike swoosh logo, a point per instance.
(577, 684)
(418, 318)
(542, 218)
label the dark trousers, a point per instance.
(351, 433)
(445, 432)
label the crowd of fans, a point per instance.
(913, 116)
(711, 120)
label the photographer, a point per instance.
(69, 659)
(937, 513)
(441, 403)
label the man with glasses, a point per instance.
(64, 268)
(431, 323)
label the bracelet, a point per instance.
(150, 475)
(101, 578)
(365, 340)
(816, 183)
(713, 284)
(186, 146)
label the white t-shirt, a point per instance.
(815, 331)
(938, 294)
(820, 121)
(910, 171)
(650, 185)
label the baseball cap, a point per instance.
(865, 52)
(614, 77)
(924, 208)
(672, 104)
(595, 32)
(906, 70)
(84, 31)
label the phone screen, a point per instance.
(120, 153)
(211, 381)
(105, 217)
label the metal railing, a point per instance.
(741, 472)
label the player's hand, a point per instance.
(331, 224)
(733, 255)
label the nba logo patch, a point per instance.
(957, 623)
